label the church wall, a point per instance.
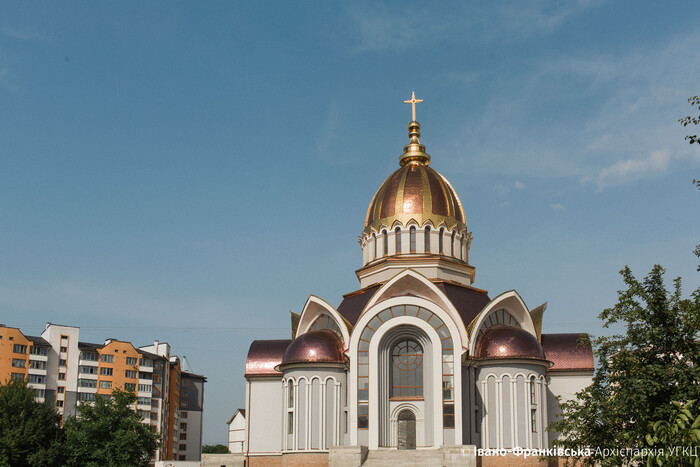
(565, 385)
(264, 415)
(318, 408)
(503, 387)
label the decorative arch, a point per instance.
(512, 303)
(413, 283)
(313, 309)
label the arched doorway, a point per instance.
(406, 430)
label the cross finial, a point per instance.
(413, 101)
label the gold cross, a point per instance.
(413, 101)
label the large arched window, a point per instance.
(407, 369)
(427, 239)
(412, 239)
(398, 240)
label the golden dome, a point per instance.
(415, 192)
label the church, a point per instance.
(417, 363)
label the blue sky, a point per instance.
(191, 172)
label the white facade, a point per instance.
(417, 358)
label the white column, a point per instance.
(307, 425)
(484, 418)
(322, 415)
(514, 411)
(499, 413)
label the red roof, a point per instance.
(568, 352)
(264, 356)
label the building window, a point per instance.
(397, 237)
(533, 400)
(156, 378)
(184, 404)
(407, 370)
(146, 362)
(183, 414)
(143, 375)
(181, 457)
(34, 350)
(62, 362)
(183, 436)
(19, 348)
(105, 385)
(183, 426)
(37, 364)
(441, 241)
(454, 233)
(86, 396)
(37, 379)
(184, 394)
(87, 383)
(290, 423)
(427, 239)
(412, 239)
(64, 348)
(40, 392)
(185, 382)
(130, 373)
(104, 371)
(62, 376)
(374, 245)
(15, 376)
(19, 363)
(386, 243)
(59, 403)
(145, 388)
(89, 356)
(533, 420)
(129, 387)
(132, 361)
(88, 370)
(107, 358)
(61, 389)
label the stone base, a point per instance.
(264, 461)
(453, 456)
(305, 459)
(347, 456)
(219, 460)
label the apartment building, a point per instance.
(67, 372)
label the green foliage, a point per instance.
(690, 120)
(640, 373)
(215, 449)
(675, 441)
(30, 433)
(109, 433)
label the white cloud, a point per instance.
(384, 28)
(503, 188)
(558, 206)
(634, 169)
(589, 118)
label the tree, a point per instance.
(215, 449)
(109, 433)
(674, 441)
(690, 120)
(640, 373)
(30, 431)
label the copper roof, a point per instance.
(264, 356)
(415, 191)
(315, 347)
(468, 301)
(508, 342)
(354, 302)
(568, 352)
